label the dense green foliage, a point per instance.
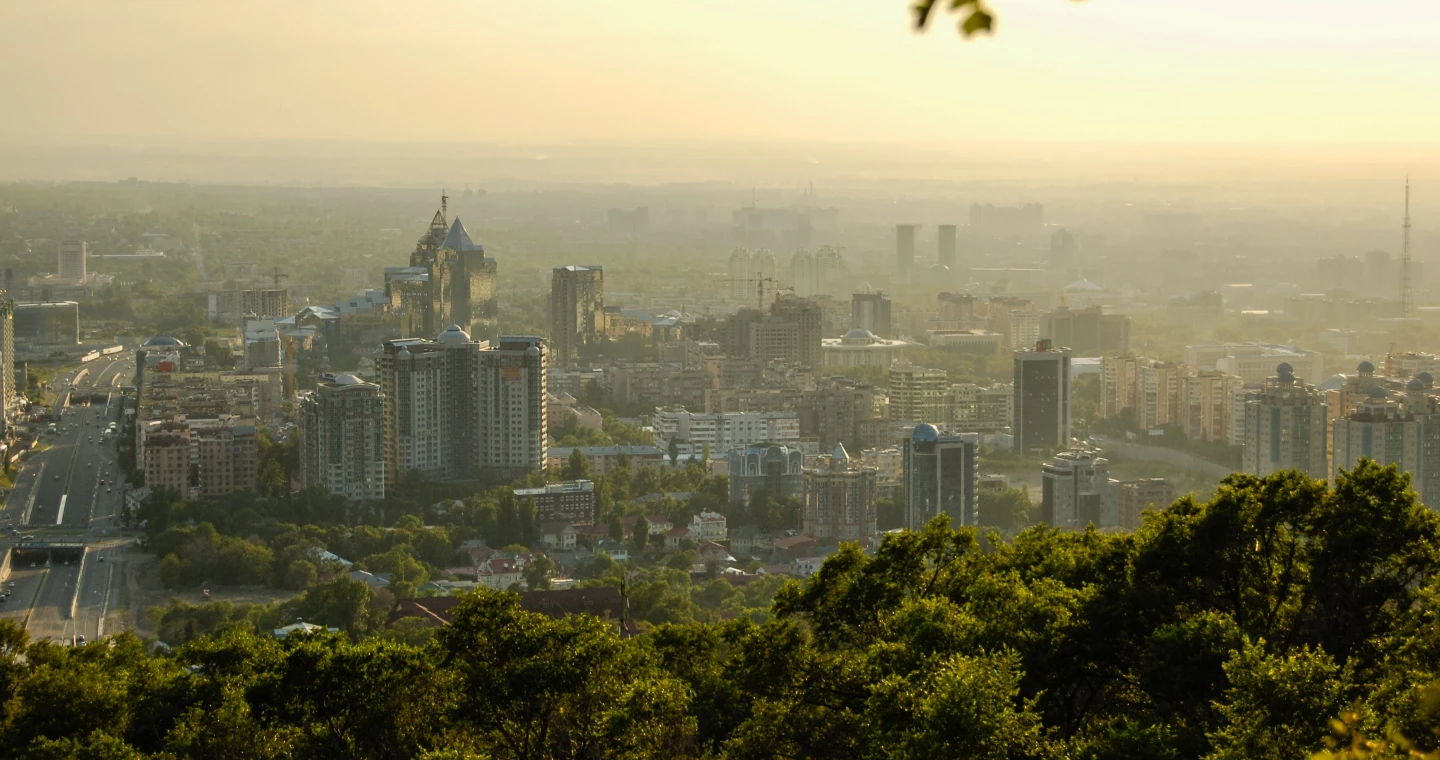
(1252, 626)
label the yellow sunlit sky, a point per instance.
(684, 70)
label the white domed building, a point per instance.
(861, 348)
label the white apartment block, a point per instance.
(1254, 362)
(726, 430)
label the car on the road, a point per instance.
(80, 640)
(57, 477)
(100, 558)
(12, 584)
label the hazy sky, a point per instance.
(680, 70)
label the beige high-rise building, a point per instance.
(840, 498)
(975, 408)
(1206, 412)
(1159, 396)
(228, 456)
(577, 310)
(166, 458)
(1285, 427)
(342, 438)
(70, 261)
(510, 392)
(1119, 384)
(919, 394)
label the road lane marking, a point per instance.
(60, 513)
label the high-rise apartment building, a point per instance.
(1285, 427)
(415, 377)
(510, 392)
(1119, 384)
(1076, 491)
(1206, 405)
(1159, 395)
(70, 264)
(459, 409)
(342, 438)
(165, 458)
(957, 311)
(975, 408)
(841, 411)
(905, 248)
(947, 252)
(871, 311)
(742, 277)
(1014, 318)
(919, 394)
(1088, 331)
(1136, 496)
(790, 332)
(228, 455)
(1042, 399)
(577, 310)
(1400, 429)
(840, 496)
(940, 476)
(815, 274)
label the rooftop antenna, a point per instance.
(1405, 256)
(444, 206)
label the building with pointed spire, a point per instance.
(449, 281)
(840, 496)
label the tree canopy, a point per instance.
(1279, 619)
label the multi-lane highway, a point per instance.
(68, 493)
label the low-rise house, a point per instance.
(794, 547)
(500, 573)
(804, 567)
(748, 539)
(709, 551)
(618, 551)
(708, 526)
(675, 538)
(558, 536)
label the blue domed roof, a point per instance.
(163, 341)
(926, 432)
(1426, 378)
(1415, 384)
(1365, 367)
(1284, 369)
(1378, 392)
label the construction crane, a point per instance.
(760, 281)
(1405, 295)
(278, 275)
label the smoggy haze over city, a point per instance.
(1295, 92)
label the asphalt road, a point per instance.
(59, 496)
